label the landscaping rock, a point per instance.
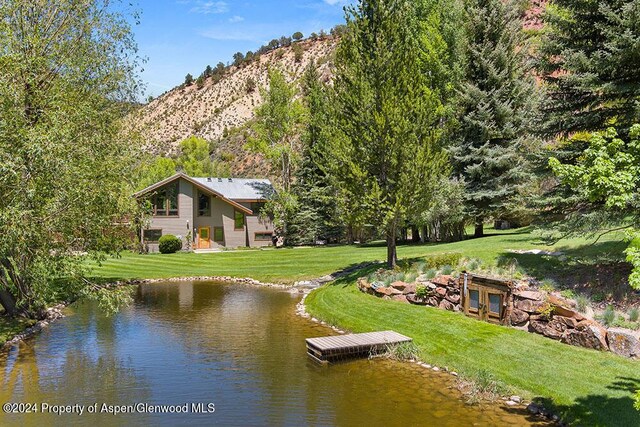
(443, 280)
(453, 297)
(433, 301)
(399, 285)
(413, 299)
(516, 399)
(624, 342)
(543, 328)
(530, 306)
(559, 300)
(446, 305)
(566, 312)
(569, 322)
(533, 408)
(410, 288)
(532, 295)
(442, 292)
(519, 317)
(400, 298)
(587, 334)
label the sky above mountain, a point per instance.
(184, 36)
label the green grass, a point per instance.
(11, 327)
(288, 265)
(585, 386)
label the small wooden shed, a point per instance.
(486, 298)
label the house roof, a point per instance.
(197, 184)
(240, 189)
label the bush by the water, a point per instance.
(169, 244)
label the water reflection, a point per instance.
(239, 347)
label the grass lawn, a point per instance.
(288, 265)
(585, 386)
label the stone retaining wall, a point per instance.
(528, 309)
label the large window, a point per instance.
(151, 235)
(238, 219)
(264, 237)
(204, 204)
(218, 235)
(165, 201)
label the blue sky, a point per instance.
(184, 36)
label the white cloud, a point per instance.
(209, 7)
(235, 19)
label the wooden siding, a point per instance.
(177, 225)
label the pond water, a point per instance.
(238, 347)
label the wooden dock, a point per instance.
(338, 347)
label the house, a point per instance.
(208, 213)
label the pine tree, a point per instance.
(589, 58)
(495, 106)
(388, 113)
(317, 217)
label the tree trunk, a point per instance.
(423, 235)
(8, 302)
(415, 234)
(392, 255)
(479, 232)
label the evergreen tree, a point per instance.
(317, 216)
(188, 79)
(388, 112)
(589, 59)
(495, 105)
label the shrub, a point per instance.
(568, 293)
(548, 285)
(583, 302)
(421, 291)
(634, 314)
(609, 316)
(447, 269)
(169, 244)
(431, 273)
(439, 260)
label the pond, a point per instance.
(237, 347)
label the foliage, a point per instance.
(169, 244)
(298, 53)
(388, 157)
(188, 80)
(496, 102)
(444, 220)
(608, 173)
(160, 168)
(634, 314)
(637, 403)
(440, 260)
(422, 291)
(609, 315)
(67, 80)
(589, 59)
(195, 157)
(297, 36)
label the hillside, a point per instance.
(217, 111)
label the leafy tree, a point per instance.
(249, 56)
(68, 79)
(195, 157)
(285, 41)
(608, 174)
(389, 154)
(159, 169)
(220, 68)
(275, 135)
(297, 36)
(589, 61)
(317, 216)
(208, 71)
(495, 105)
(188, 79)
(273, 44)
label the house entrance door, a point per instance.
(204, 238)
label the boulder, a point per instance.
(399, 285)
(446, 305)
(557, 299)
(453, 297)
(413, 299)
(569, 322)
(443, 280)
(587, 334)
(410, 288)
(400, 298)
(433, 301)
(387, 291)
(566, 312)
(544, 328)
(528, 305)
(532, 295)
(442, 292)
(519, 317)
(624, 342)
(363, 284)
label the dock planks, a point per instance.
(332, 348)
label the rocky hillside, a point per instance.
(212, 110)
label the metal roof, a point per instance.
(239, 188)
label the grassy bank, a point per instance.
(9, 328)
(585, 386)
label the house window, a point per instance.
(218, 235)
(257, 207)
(165, 201)
(204, 204)
(263, 237)
(238, 220)
(152, 235)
